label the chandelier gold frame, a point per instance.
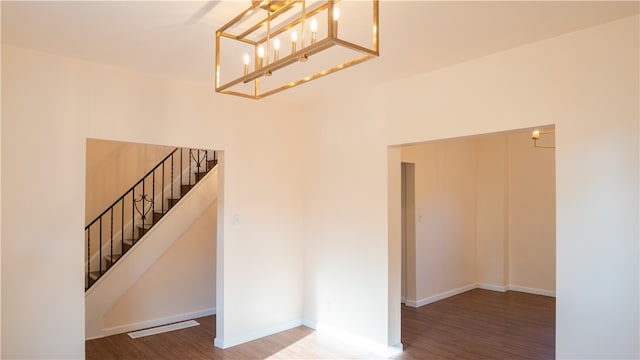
(265, 66)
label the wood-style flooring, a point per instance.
(477, 324)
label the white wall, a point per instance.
(587, 84)
(584, 82)
(532, 214)
(492, 222)
(346, 250)
(445, 210)
(43, 243)
(485, 215)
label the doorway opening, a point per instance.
(478, 212)
(153, 248)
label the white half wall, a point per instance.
(179, 285)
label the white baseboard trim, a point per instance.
(227, 343)
(532, 290)
(153, 323)
(403, 300)
(492, 287)
(444, 295)
(356, 340)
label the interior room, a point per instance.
(308, 178)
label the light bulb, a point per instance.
(535, 135)
(294, 41)
(336, 16)
(276, 49)
(246, 64)
(314, 27)
(260, 51)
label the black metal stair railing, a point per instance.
(119, 227)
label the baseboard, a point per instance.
(353, 339)
(156, 322)
(491, 287)
(532, 290)
(227, 343)
(403, 300)
(444, 295)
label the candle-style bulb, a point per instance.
(336, 16)
(276, 49)
(535, 135)
(246, 63)
(314, 28)
(260, 56)
(294, 41)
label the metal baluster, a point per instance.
(190, 152)
(162, 195)
(122, 227)
(111, 237)
(181, 170)
(153, 197)
(89, 256)
(198, 163)
(172, 193)
(100, 250)
(133, 215)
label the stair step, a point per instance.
(94, 275)
(172, 201)
(157, 216)
(110, 259)
(200, 175)
(142, 229)
(185, 189)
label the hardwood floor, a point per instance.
(478, 324)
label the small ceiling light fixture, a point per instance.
(535, 136)
(316, 48)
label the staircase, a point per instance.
(123, 224)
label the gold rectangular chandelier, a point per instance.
(275, 45)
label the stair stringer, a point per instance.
(105, 293)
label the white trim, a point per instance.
(443, 295)
(492, 287)
(163, 329)
(356, 340)
(532, 290)
(156, 322)
(403, 300)
(224, 344)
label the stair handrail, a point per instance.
(173, 178)
(131, 188)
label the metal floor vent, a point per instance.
(163, 329)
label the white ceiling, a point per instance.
(175, 39)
